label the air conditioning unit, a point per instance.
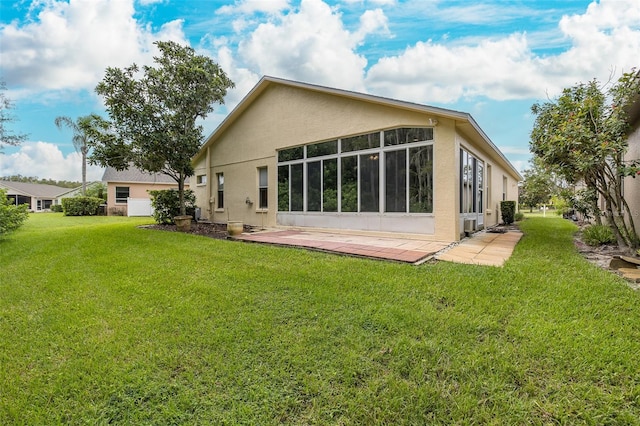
(469, 225)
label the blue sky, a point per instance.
(493, 59)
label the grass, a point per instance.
(102, 322)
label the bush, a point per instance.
(11, 216)
(508, 209)
(519, 216)
(166, 204)
(57, 208)
(597, 235)
(81, 206)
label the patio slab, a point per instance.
(481, 249)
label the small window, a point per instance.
(263, 186)
(356, 143)
(122, 193)
(201, 179)
(220, 178)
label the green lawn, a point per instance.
(102, 322)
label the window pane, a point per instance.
(296, 153)
(263, 198)
(396, 181)
(330, 185)
(283, 188)
(421, 179)
(356, 143)
(263, 190)
(297, 188)
(369, 183)
(220, 178)
(262, 177)
(324, 148)
(122, 193)
(407, 135)
(349, 187)
(314, 186)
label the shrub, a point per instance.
(81, 206)
(166, 204)
(508, 209)
(597, 235)
(56, 208)
(11, 216)
(519, 216)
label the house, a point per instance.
(128, 190)
(631, 184)
(293, 154)
(39, 197)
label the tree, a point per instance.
(584, 134)
(81, 131)
(153, 113)
(7, 137)
(11, 216)
(538, 185)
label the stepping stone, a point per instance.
(632, 274)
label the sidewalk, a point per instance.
(483, 248)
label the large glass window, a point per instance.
(283, 188)
(348, 175)
(361, 142)
(369, 183)
(290, 154)
(122, 193)
(323, 148)
(471, 182)
(349, 184)
(396, 181)
(421, 179)
(314, 186)
(330, 185)
(407, 135)
(297, 187)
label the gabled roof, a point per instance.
(464, 120)
(134, 175)
(36, 190)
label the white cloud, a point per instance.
(253, 6)
(605, 38)
(45, 160)
(311, 44)
(70, 44)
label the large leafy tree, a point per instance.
(7, 136)
(583, 134)
(538, 185)
(81, 129)
(153, 113)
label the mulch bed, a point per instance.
(211, 230)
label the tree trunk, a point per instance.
(84, 172)
(183, 208)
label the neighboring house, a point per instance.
(128, 190)
(302, 155)
(632, 185)
(38, 197)
(76, 192)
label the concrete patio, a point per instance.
(483, 248)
